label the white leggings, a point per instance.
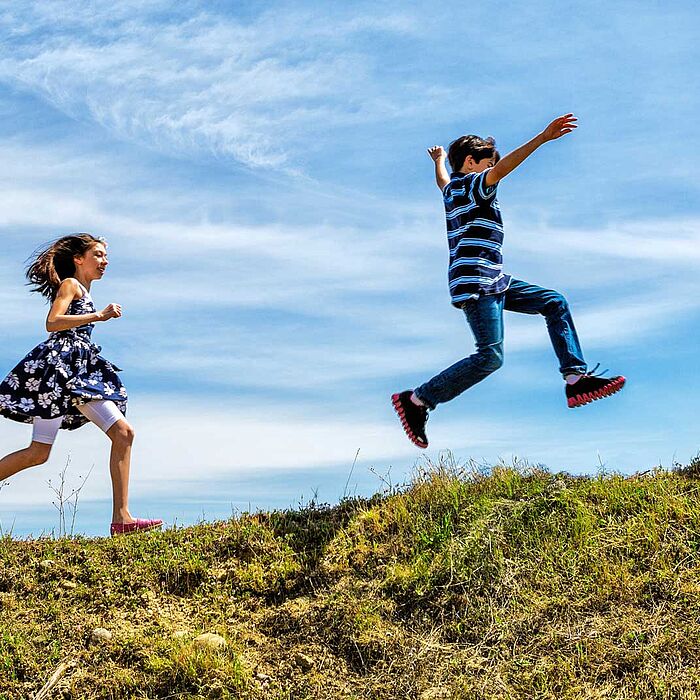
(104, 414)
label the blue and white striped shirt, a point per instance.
(475, 238)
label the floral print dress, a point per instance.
(61, 373)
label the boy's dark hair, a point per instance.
(473, 146)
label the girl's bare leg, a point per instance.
(122, 436)
(36, 453)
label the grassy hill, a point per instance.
(512, 584)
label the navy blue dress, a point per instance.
(61, 373)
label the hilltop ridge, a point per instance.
(516, 583)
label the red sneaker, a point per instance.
(413, 418)
(137, 526)
(592, 387)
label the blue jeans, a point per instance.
(485, 318)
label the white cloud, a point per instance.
(212, 440)
(667, 242)
(201, 442)
(254, 91)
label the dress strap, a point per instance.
(85, 291)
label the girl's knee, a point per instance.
(122, 432)
(39, 452)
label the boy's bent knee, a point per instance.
(556, 305)
(490, 358)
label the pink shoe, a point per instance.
(129, 528)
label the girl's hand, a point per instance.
(559, 127)
(437, 153)
(111, 311)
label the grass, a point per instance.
(516, 583)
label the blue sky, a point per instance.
(277, 240)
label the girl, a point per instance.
(65, 382)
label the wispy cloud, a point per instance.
(254, 91)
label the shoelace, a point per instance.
(593, 374)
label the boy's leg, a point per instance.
(581, 388)
(485, 318)
(525, 298)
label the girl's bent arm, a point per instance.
(58, 320)
(65, 322)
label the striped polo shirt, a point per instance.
(475, 238)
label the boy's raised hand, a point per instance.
(437, 153)
(559, 127)
(442, 177)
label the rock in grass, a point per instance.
(47, 564)
(304, 662)
(69, 585)
(100, 636)
(210, 641)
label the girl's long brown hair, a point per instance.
(54, 263)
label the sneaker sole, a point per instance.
(136, 531)
(396, 402)
(609, 390)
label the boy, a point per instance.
(479, 287)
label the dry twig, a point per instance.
(43, 694)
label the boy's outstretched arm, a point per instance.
(557, 128)
(442, 177)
